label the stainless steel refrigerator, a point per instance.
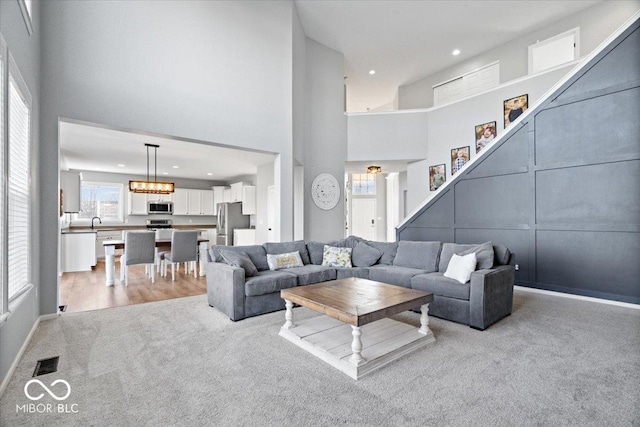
(229, 218)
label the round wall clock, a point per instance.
(325, 191)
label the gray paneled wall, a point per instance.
(562, 189)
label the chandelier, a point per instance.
(152, 187)
(374, 169)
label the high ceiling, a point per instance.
(404, 41)
(95, 148)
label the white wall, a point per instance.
(264, 179)
(387, 136)
(325, 136)
(596, 24)
(211, 71)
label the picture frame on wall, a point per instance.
(485, 133)
(514, 107)
(437, 176)
(459, 157)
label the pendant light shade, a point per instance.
(148, 186)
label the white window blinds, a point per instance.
(2, 149)
(18, 189)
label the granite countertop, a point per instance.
(78, 231)
(85, 229)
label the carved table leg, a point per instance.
(424, 319)
(356, 347)
(288, 315)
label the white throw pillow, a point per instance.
(461, 267)
(288, 260)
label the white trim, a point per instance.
(28, 21)
(578, 297)
(14, 365)
(46, 317)
(466, 74)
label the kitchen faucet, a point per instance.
(99, 220)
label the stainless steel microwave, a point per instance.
(160, 207)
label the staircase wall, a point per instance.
(561, 188)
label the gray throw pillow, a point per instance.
(364, 255)
(239, 259)
(484, 255)
(421, 255)
(388, 249)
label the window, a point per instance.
(18, 186)
(101, 199)
(363, 184)
(3, 241)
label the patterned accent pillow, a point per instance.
(288, 260)
(336, 257)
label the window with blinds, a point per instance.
(18, 220)
(3, 307)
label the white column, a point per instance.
(110, 265)
(356, 347)
(288, 315)
(424, 319)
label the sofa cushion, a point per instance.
(268, 282)
(286, 247)
(389, 250)
(364, 255)
(286, 260)
(349, 242)
(484, 255)
(482, 251)
(437, 284)
(239, 259)
(421, 255)
(359, 272)
(256, 252)
(393, 274)
(336, 257)
(316, 250)
(310, 274)
(501, 255)
(461, 266)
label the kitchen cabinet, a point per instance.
(193, 202)
(236, 191)
(244, 236)
(249, 200)
(181, 201)
(137, 203)
(70, 185)
(227, 195)
(78, 251)
(218, 197)
(103, 235)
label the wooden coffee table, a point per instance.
(355, 334)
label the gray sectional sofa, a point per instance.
(485, 299)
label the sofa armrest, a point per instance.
(225, 289)
(491, 295)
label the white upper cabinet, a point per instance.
(137, 203)
(249, 200)
(236, 191)
(70, 185)
(193, 202)
(181, 201)
(207, 202)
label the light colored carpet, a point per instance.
(554, 361)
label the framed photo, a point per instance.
(485, 133)
(514, 107)
(437, 176)
(459, 158)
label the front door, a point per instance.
(364, 218)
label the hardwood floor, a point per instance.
(83, 291)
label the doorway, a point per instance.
(364, 218)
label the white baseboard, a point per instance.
(580, 297)
(14, 365)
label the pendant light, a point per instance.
(374, 169)
(152, 187)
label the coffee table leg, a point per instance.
(288, 315)
(424, 319)
(356, 347)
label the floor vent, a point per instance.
(62, 308)
(46, 366)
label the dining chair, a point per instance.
(184, 248)
(139, 248)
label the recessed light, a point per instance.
(456, 52)
(120, 165)
(372, 72)
(176, 167)
(209, 173)
(165, 173)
